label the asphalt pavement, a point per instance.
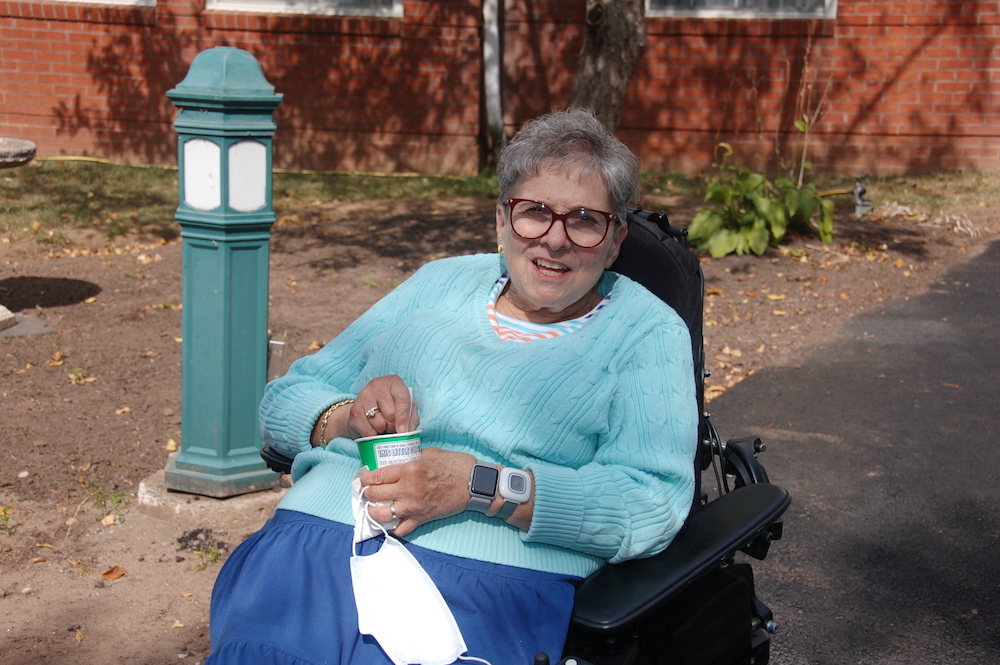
(886, 437)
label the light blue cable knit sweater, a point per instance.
(604, 417)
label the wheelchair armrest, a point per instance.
(275, 461)
(619, 594)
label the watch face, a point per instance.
(517, 484)
(484, 480)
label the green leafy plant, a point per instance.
(745, 212)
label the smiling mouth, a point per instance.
(550, 269)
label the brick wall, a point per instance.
(359, 93)
(913, 85)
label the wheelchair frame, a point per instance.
(615, 605)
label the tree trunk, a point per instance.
(614, 38)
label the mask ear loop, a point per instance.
(371, 520)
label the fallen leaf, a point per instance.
(38, 559)
(124, 409)
(91, 299)
(712, 392)
(86, 467)
(775, 296)
(315, 346)
(177, 624)
(113, 573)
(900, 263)
(171, 446)
(779, 312)
(78, 637)
(713, 292)
(845, 296)
(178, 339)
(44, 546)
(74, 563)
(185, 594)
(109, 519)
(762, 348)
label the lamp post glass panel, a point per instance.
(224, 127)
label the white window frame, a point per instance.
(312, 7)
(124, 3)
(829, 12)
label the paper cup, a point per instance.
(386, 449)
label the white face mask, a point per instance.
(398, 603)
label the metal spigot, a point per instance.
(861, 204)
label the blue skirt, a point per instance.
(285, 596)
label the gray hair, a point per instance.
(568, 139)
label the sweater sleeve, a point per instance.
(633, 497)
(292, 404)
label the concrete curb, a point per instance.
(155, 500)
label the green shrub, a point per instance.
(745, 212)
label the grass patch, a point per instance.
(295, 190)
(938, 190)
(46, 198)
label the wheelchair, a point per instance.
(692, 604)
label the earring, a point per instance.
(499, 248)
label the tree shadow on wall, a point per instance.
(352, 95)
(133, 69)
(385, 100)
(757, 79)
(540, 57)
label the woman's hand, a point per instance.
(396, 412)
(433, 486)
(388, 400)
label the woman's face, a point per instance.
(550, 276)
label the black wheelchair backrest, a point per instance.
(656, 255)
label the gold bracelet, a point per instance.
(326, 418)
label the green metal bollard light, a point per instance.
(224, 128)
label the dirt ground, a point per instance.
(92, 409)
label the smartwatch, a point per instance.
(515, 488)
(483, 486)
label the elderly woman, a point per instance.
(537, 363)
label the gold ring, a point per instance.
(370, 413)
(392, 510)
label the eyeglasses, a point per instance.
(531, 220)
